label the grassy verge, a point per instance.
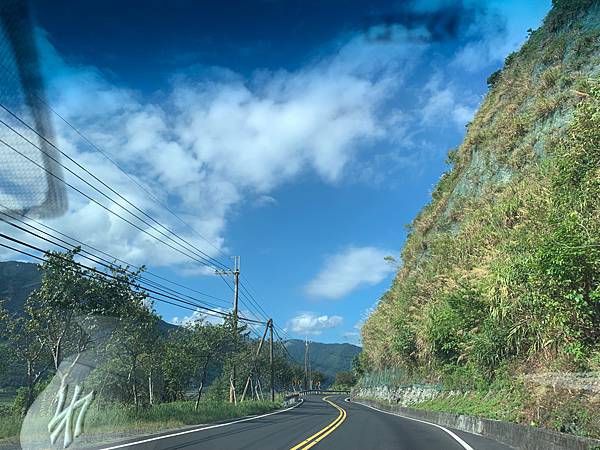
(500, 405)
(106, 418)
(10, 425)
(114, 417)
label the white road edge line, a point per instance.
(219, 425)
(453, 435)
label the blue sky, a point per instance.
(301, 135)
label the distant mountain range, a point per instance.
(326, 358)
(17, 280)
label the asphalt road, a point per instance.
(318, 423)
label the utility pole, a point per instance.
(310, 381)
(305, 364)
(271, 360)
(236, 280)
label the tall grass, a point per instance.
(108, 417)
(498, 405)
(10, 425)
(117, 417)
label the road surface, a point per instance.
(318, 423)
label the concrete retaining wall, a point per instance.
(402, 395)
(511, 434)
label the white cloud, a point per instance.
(198, 316)
(215, 140)
(442, 101)
(213, 318)
(265, 200)
(309, 323)
(346, 271)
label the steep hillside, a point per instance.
(501, 271)
(326, 358)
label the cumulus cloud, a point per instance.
(197, 316)
(213, 140)
(442, 101)
(310, 323)
(202, 316)
(344, 272)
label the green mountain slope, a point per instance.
(326, 358)
(17, 280)
(501, 271)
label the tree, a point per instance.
(25, 346)
(297, 377)
(65, 292)
(317, 378)
(358, 365)
(345, 379)
(210, 344)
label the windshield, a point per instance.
(296, 224)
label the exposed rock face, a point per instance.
(402, 395)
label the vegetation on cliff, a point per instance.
(500, 273)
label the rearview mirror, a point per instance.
(30, 174)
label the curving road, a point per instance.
(318, 423)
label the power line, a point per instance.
(83, 244)
(101, 205)
(149, 296)
(91, 199)
(205, 258)
(199, 253)
(204, 309)
(249, 293)
(105, 274)
(97, 259)
(248, 307)
(95, 147)
(246, 294)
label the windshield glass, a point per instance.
(296, 224)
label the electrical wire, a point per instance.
(100, 204)
(205, 310)
(83, 244)
(95, 258)
(199, 253)
(42, 259)
(103, 153)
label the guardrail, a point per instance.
(323, 391)
(290, 399)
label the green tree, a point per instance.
(344, 379)
(317, 378)
(66, 292)
(25, 346)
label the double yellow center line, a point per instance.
(315, 438)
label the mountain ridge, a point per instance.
(328, 358)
